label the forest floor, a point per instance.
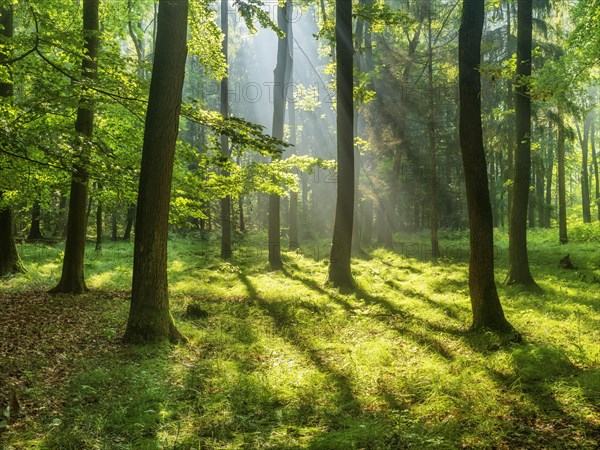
(282, 361)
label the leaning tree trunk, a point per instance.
(279, 87)
(487, 311)
(340, 274)
(72, 278)
(226, 251)
(562, 185)
(518, 270)
(9, 257)
(149, 316)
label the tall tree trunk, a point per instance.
(366, 236)
(562, 188)
(35, 232)
(72, 278)
(99, 224)
(487, 311)
(226, 251)
(340, 274)
(549, 177)
(595, 164)
(281, 75)
(9, 257)
(433, 185)
(59, 229)
(149, 315)
(539, 191)
(585, 178)
(518, 270)
(293, 208)
(510, 102)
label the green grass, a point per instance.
(283, 361)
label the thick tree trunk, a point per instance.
(72, 278)
(281, 76)
(562, 188)
(226, 251)
(487, 311)
(340, 274)
(518, 270)
(149, 315)
(9, 257)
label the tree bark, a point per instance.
(562, 187)
(280, 75)
(149, 316)
(340, 274)
(99, 224)
(226, 251)
(518, 270)
(487, 310)
(433, 185)
(585, 177)
(294, 241)
(595, 164)
(35, 232)
(72, 278)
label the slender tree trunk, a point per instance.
(510, 103)
(340, 274)
(366, 236)
(595, 164)
(433, 185)
(549, 178)
(72, 278)
(585, 178)
(487, 311)
(99, 225)
(114, 229)
(293, 208)
(539, 192)
(149, 315)
(518, 270)
(131, 212)
(242, 219)
(226, 251)
(281, 75)
(35, 232)
(562, 188)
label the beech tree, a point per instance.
(518, 270)
(340, 274)
(486, 307)
(149, 315)
(9, 257)
(72, 278)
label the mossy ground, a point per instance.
(283, 361)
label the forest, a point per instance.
(286, 224)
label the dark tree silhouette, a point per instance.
(487, 311)
(149, 316)
(226, 251)
(518, 270)
(340, 274)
